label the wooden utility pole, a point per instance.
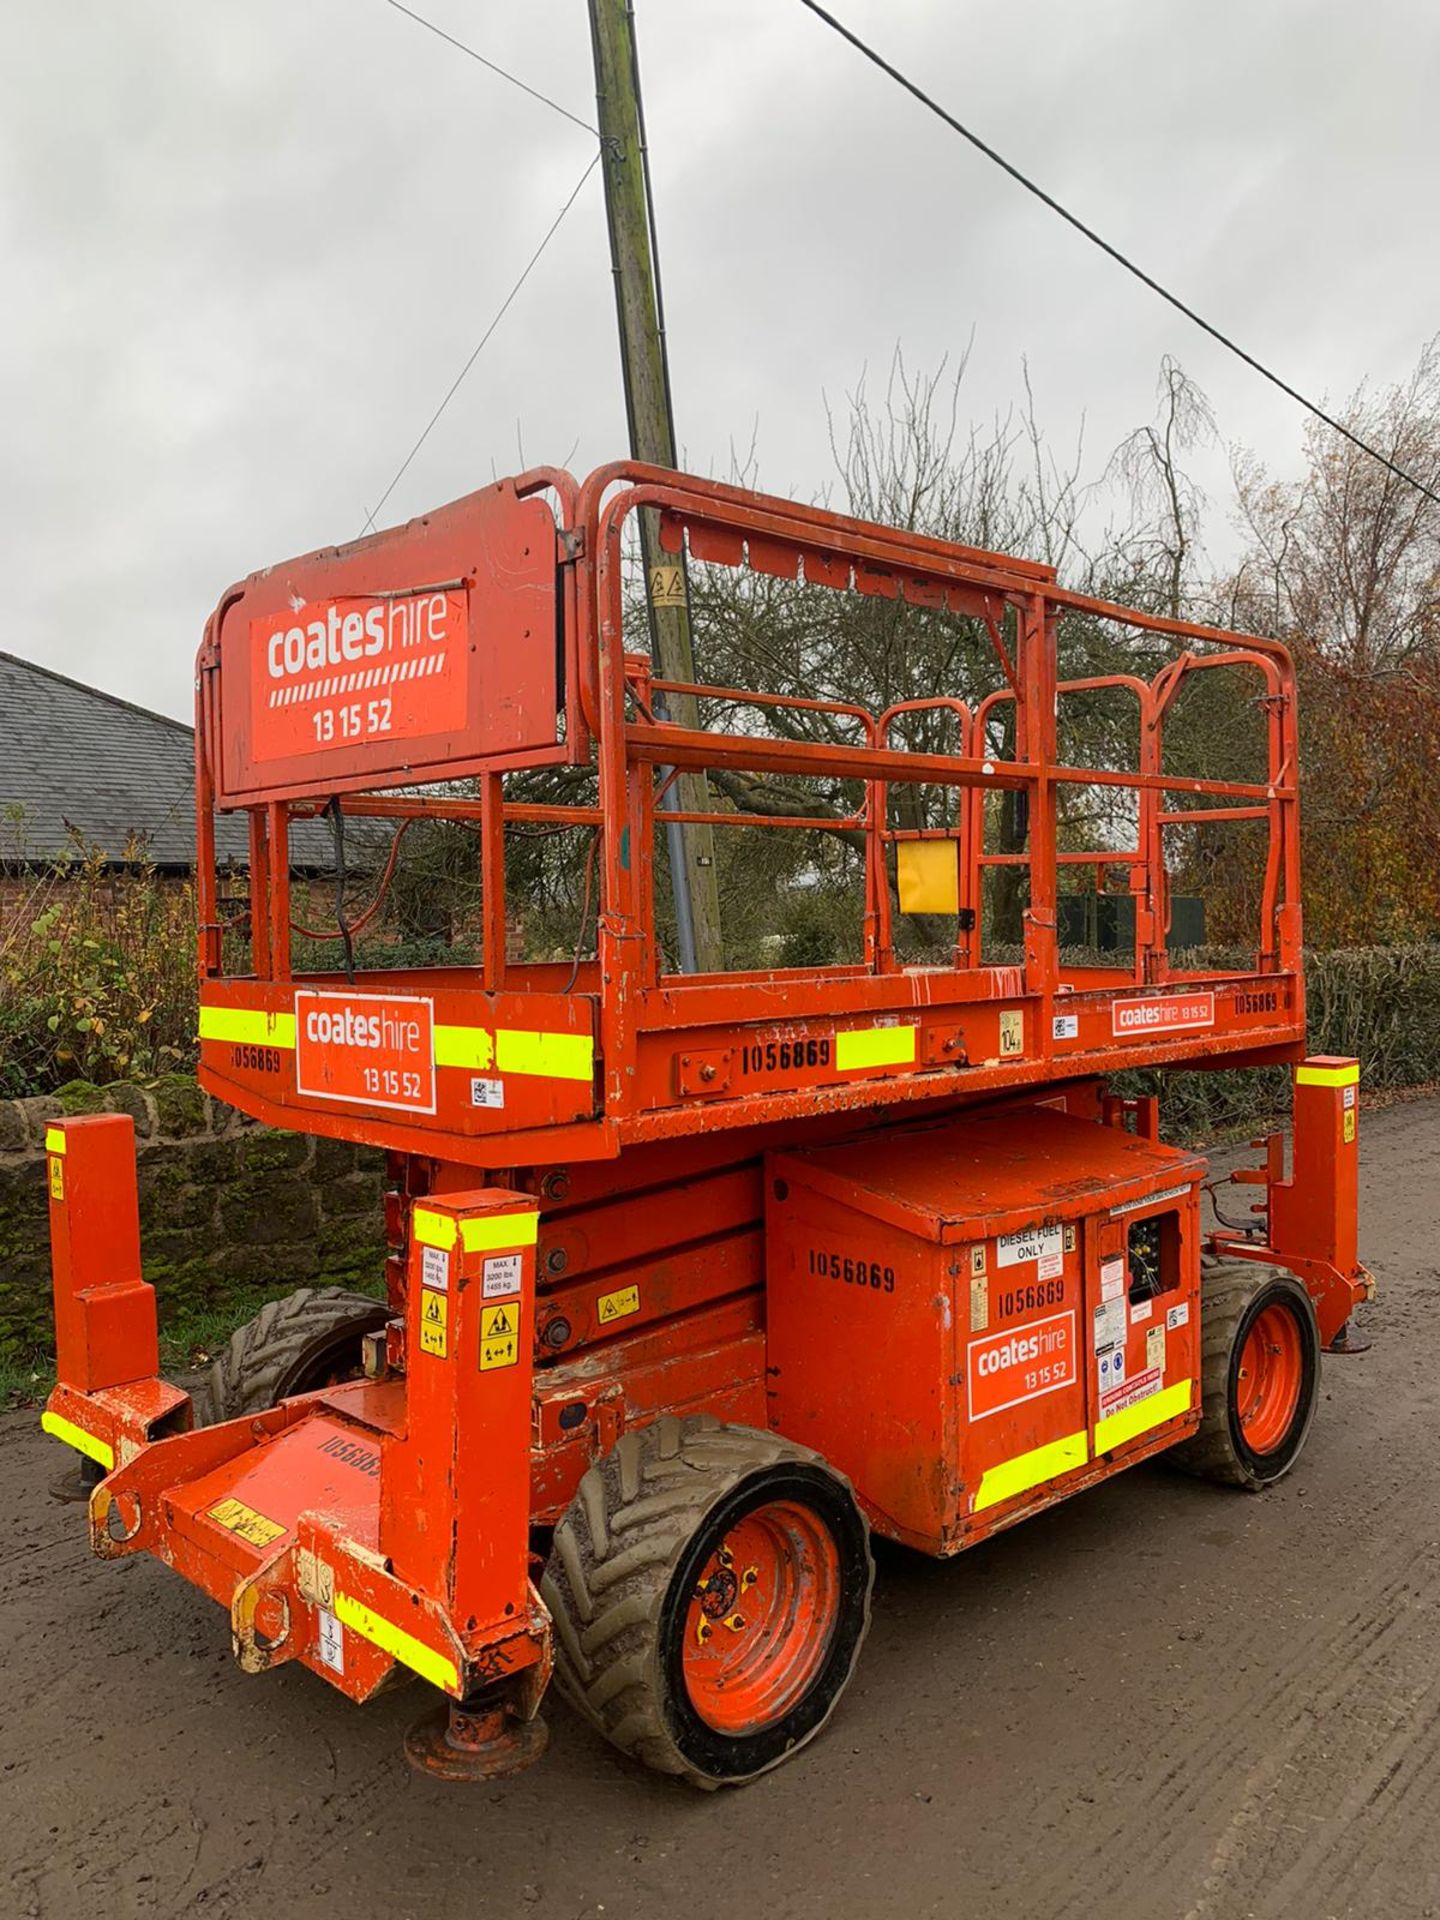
(651, 422)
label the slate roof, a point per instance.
(70, 754)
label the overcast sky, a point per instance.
(248, 244)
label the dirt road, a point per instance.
(1160, 1702)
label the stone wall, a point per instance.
(227, 1207)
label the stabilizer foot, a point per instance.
(478, 1742)
(1350, 1340)
(77, 1483)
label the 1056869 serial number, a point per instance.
(1040, 1293)
(855, 1271)
(256, 1059)
(784, 1056)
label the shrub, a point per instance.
(1381, 1004)
(97, 975)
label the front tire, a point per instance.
(1260, 1375)
(710, 1591)
(312, 1338)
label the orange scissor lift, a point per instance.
(694, 1280)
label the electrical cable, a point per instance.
(362, 920)
(337, 828)
(460, 45)
(981, 146)
(484, 338)
(584, 911)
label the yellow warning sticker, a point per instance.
(434, 1322)
(1348, 1129)
(57, 1173)
(615, 1306)
(244, 1521)
(499, 1336)
(667, 585)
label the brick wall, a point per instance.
(227, 1207)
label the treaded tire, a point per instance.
(622, 1572)
(291, 1346)
(1233, 1295)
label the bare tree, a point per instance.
(1346, 561)
(1167, 505)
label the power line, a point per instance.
(499, 316)
(956, 126)
(533, 92)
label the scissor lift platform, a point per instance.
(693, 1280)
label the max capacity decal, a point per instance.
(370, 1049)
(343, 673)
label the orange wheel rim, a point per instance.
(761, 1617)
(1272, 1375)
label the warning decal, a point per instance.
(330, 1639)
(499, 1336)
(615, 1306)
(667, 585)
(434, 1322)
(245, 1522)
(1126, 1393)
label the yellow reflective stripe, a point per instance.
(479, 1235)
(433, 1229)
(875, 1047)
(54, 1140)
(1027, 1470)
(77, 1437)
(547, 1056)
(484, 1234)
(247, 1026)
(1347, 1076)
(1140, 1418)
(472, 1047)
(430, 1665)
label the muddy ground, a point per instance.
(1162, 1701)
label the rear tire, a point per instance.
(710, 1590)
(1259, 1375)
(307, 1340)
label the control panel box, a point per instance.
(972, 1318)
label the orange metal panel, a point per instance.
(953, 1315)
(105, 1326)
(448, 1526)
(357, 665)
